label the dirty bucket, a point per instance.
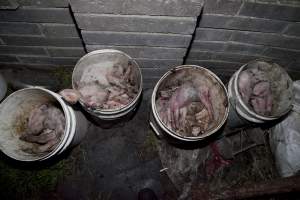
(15, 110)
(102, 61)
(197, 77)
(280, 87)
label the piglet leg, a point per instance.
(244, 84)
(43, 138)
(204, 95)
(70, 95)
(182, 113)
(47, 147)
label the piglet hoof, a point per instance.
(70, 95)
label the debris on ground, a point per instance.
(45, 127)
(229, 162)
(111, 89)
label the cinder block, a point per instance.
(41, 41)
(153, 72)
(48, 60)
(8, 58)
(209, 46)
(133, 7)
(162, 63)
(136, 23)
(293, 30)
(44, 3)
(266, 39)
(12, 4)
(270, 11)
(242, 23)
(223, 56)
(19, 28)
(22, 50)
(150, 82)
(145, 52)
(66, 51)
(38, 15)
(227, 7)
(294, 66)
(27, 66)
(289, 2)
(213, 65)
(209, 34)
(288, 54)
(244, 48)
(59, 30)
(135, 39)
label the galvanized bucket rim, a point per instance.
(117, 110)
(168, 130)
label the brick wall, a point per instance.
(221, 35)
(38, 33)
(156, 33)
(233, 32)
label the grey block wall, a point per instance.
(221, 35)
(39, 34)
(156, 33)
(233, 32)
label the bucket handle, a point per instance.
(155, 130)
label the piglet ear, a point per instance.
(70, 95)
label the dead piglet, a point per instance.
(167, 93)
(204, 95)
(261, 99)
(115, 91)
(42, 138)
(182, 96)
(36, 120)
(47, 129)
(49, 146)
(162, 106)
(245, 85)
(203, 120)
(116, 76)
(70, 95)
(111, 104)
(93, 95)
(55, 121)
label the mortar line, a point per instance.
(193, 36)
(77, 27)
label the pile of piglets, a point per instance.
(108, 88)
(255, 89)
(186, 109)
(45, 127)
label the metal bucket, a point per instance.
(14, 111)
(220, 106)
(107, 58)
(242, 114)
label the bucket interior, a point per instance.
(14, 113)
(280, 87)
(94, 68)
(196, 78)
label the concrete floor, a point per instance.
(116, 163)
